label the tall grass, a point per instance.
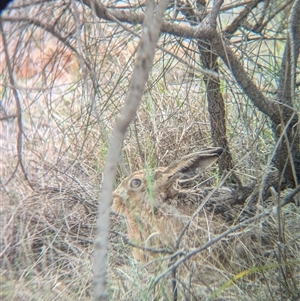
(70, 102)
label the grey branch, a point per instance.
(206, 31)
(151, 31)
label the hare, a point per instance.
(166, 209)
(156, 204)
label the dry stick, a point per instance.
(50, 28)
(102, 11)
(210, 243)
(239, 20)
(193, 216)
(19, 108)
(8, 117)
(215, 38)
(140, 75)
(244, 224)
(274, 14)
(46, 27)
(270, 160)
(294, 32)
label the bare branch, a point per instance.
(18, 105)
(288, 155)
(243, 79)
(136, 88)
(204, 31)
(272, 16)
(287, 79)
(238, 21)
(210, 243)
(102, 12)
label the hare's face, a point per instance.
(130, 193)
(153, 188)
(143, 198)
(149, 190)
(140, 191)
(133, 199)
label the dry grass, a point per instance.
(247, 264)
(48, 219)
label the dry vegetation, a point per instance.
(68, 74)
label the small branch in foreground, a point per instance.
(152, 26)
(210, 243)
(285, 201)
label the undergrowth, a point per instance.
(49, 204)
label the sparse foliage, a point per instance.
(224, 74)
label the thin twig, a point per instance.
(210, 243)
(18, 105)
(152, 26)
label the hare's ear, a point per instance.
(193, 164)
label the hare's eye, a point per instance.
(135, 183)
